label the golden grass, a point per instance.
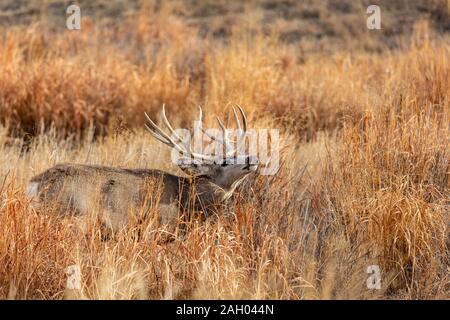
(365, 175)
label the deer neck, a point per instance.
(201, 194)
(206, 188)
(204, 194)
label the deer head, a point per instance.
(225, 171)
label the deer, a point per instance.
(76, 189)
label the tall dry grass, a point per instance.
(364, 180)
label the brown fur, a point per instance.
(115, 192)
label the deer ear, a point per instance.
(193, 167)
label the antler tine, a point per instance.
(225, 141)
(156, 132)
(213, 137)
(221, 125)
(244, 118)
(236, 119)
(157, 136)
(168, 125)
(241, 131)
(154, 127)
(200, 119)
(200, 114)
(238, 125)
(160, 135)
(202, 156)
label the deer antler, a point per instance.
(167, 139)
(226, 141)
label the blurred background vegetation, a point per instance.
(310, 24)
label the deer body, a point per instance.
(114, 193)
(76, 189)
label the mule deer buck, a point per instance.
(78, 189)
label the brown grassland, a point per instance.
(365, 174)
